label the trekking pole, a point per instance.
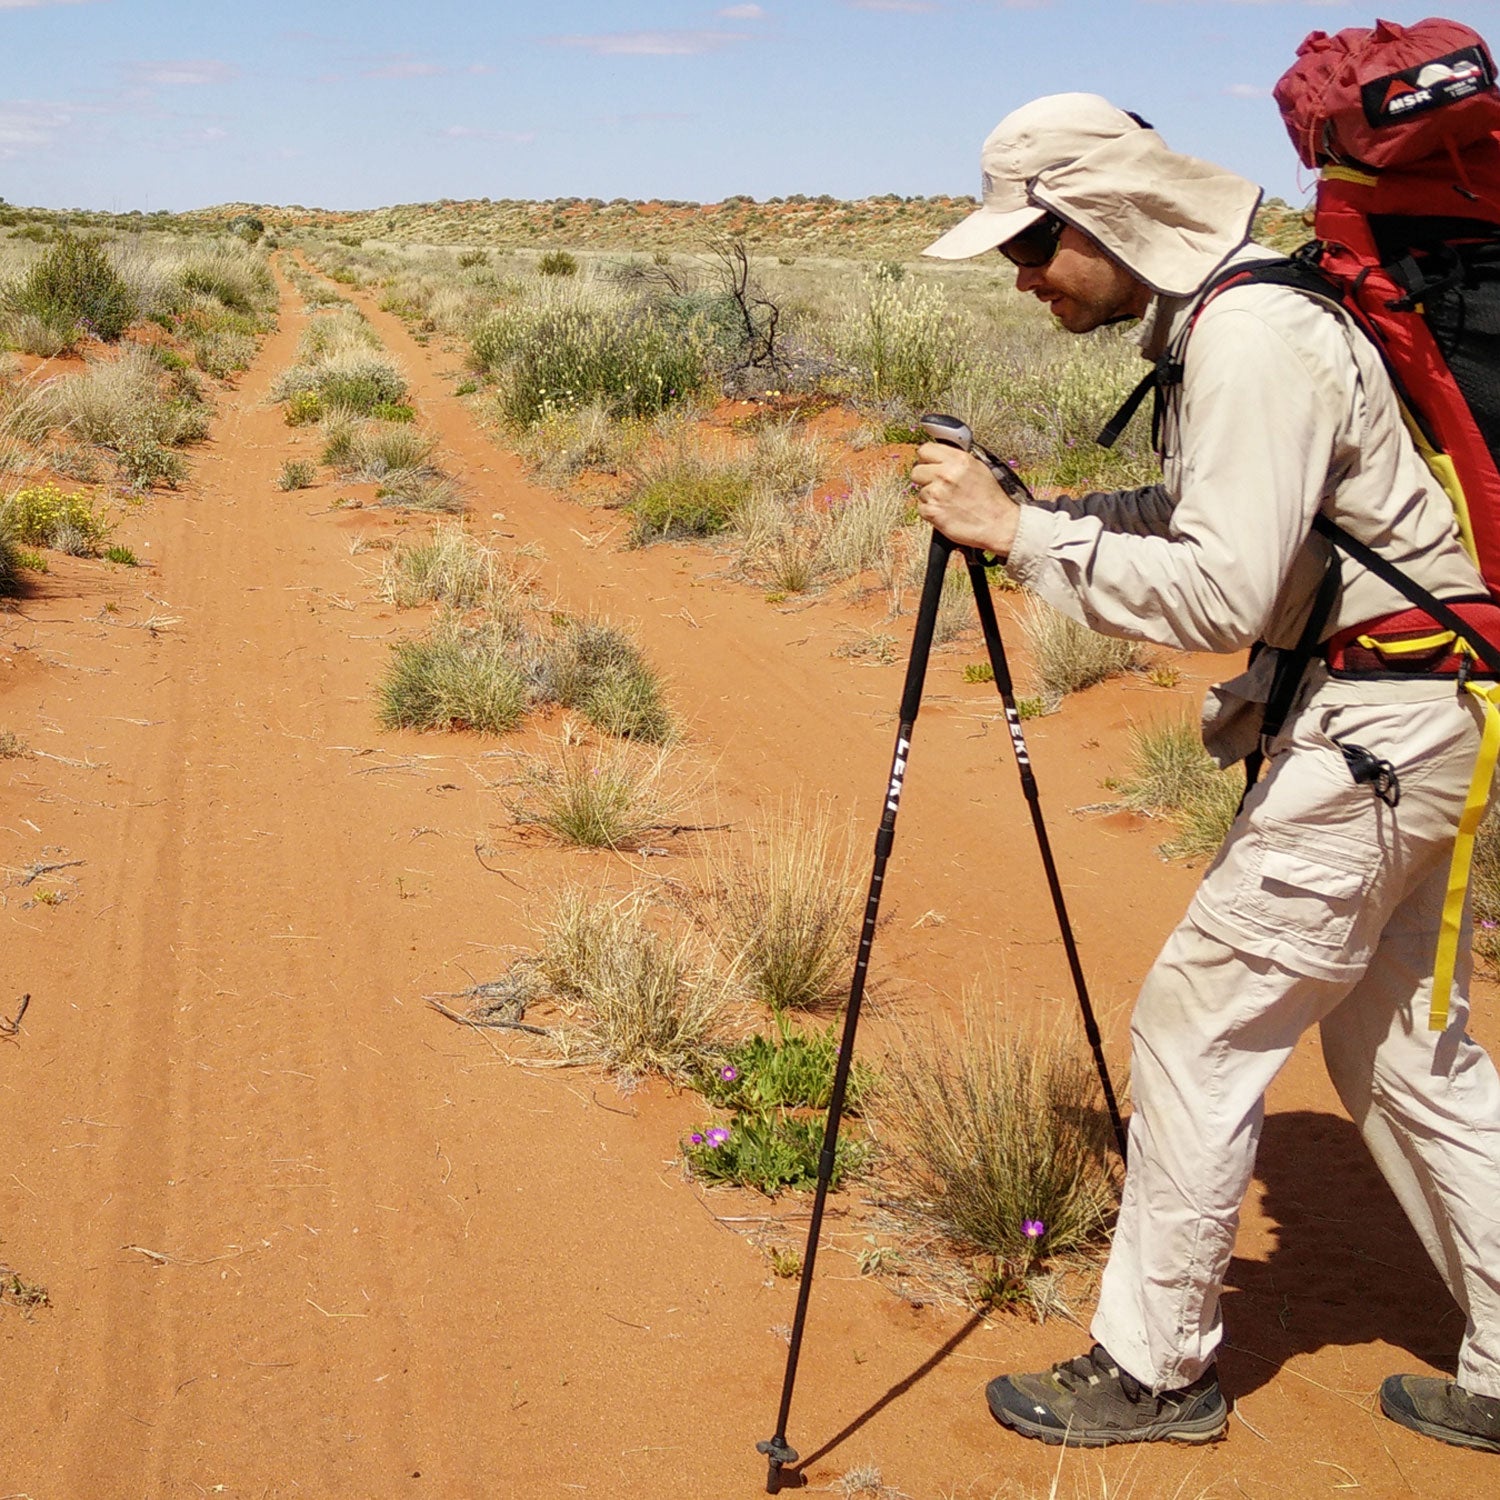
(777, 1450)
(956, 434)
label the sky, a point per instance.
(152, 104)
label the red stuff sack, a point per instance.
(1403, 124)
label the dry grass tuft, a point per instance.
(642, 1001)
(1172, 773)
(608, 796)
(1067, 657)
(998, 1130)
(789, 910)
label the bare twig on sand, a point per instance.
(36, 871)
(488, 1022)
(13, 1028)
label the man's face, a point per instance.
(1082, 286)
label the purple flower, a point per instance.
(696, 1137)
(1033, 1229)
(729, 1073)
(717, 1136)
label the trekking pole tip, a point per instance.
(778, 1452)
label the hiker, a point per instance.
(1324, 904)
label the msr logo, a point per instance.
(1428, 86)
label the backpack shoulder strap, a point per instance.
(1297, 272)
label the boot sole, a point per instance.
(1451, 1435)
(1203, 1430)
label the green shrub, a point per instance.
(455, 679)
(43, 515)
(628, 359)
(557, 263)
(297, 474)
(74, 282)
(121, 555)
(393, 411)
(303, 407)
(904, 342)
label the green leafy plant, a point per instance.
(770, 1152)
(789, 1069)
(557, 263)
(121, 555)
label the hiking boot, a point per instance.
(1090, 1401)
(1442, 1409)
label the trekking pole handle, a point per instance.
(958, 434)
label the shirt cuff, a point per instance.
(1035, 526)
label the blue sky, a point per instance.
(123, 104)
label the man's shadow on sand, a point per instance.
(1345, 1268)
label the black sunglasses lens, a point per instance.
(1035, 245)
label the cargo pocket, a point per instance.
(1297, 900)
(1301, 891)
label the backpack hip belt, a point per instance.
(1410, 643)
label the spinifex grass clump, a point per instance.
(297, 474)
(448, 567)
(602, 797)
(640, 1000)
(684, 492)
(457, 678)
(595, 668)
(1067, 657)
(1484, 885)
(1001, 1133)
(1170, 772)
(789, 911)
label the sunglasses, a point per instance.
(1035, 246)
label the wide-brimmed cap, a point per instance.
(1169, 219)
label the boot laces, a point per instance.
(1094, 1366)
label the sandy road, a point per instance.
(304, 1238)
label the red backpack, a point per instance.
(1403, 124)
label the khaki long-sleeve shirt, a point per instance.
(1284, 409)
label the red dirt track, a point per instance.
(304, 1237)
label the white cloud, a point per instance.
(742, 13)
(651, 43)
(1247, 91)
(182, 71)
(29, 124)
(900, 7)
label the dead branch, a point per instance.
(36, 871)
(489, 1023)
(13, 1028)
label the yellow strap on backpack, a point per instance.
(1463, 853)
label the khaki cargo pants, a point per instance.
(1322, 908)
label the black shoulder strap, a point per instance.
(1296, 272)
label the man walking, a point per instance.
(1324, 904)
